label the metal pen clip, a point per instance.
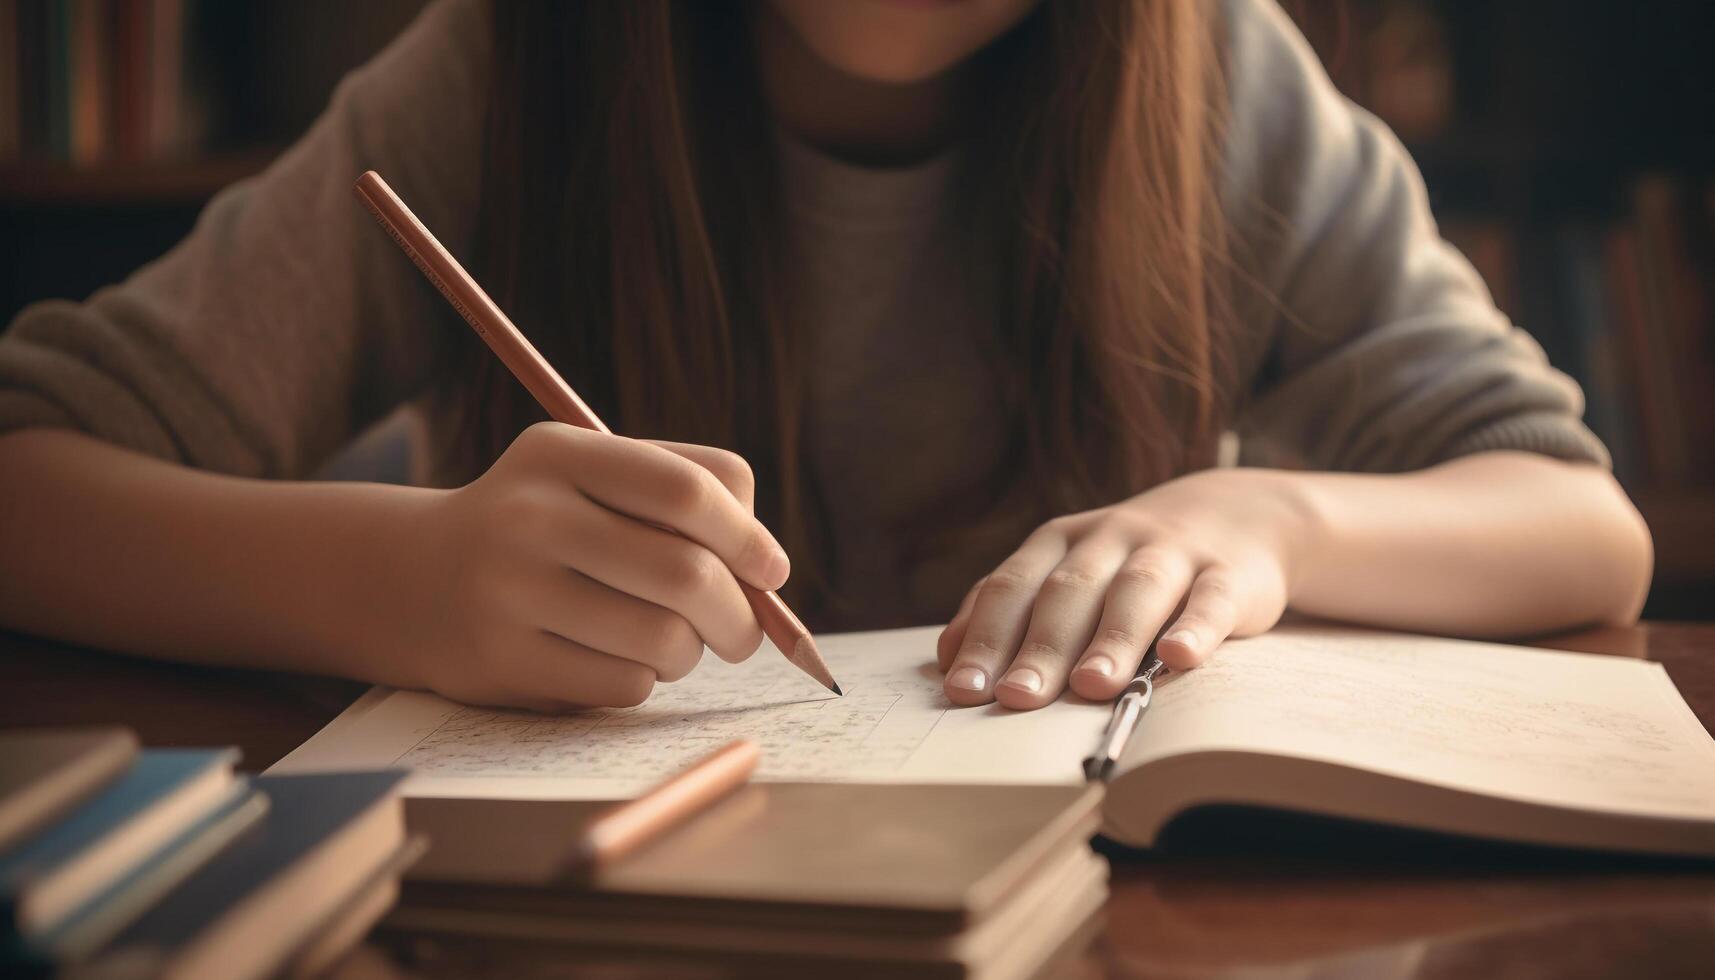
(1133, 700)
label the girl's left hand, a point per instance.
(1084, 596)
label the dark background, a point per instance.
(1569, 149)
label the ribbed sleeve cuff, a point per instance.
(1554, 434)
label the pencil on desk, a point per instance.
(630, 825)
(551, 390)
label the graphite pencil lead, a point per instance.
(808, 659)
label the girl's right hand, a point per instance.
(550, 582)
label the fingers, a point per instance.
(664, 487)
(1000, 614)
(548, 672)
(1211, 612)
(1061, 623)
(1144, 592)
(576, 607)
(728, 467)
(947, 646)
(662, 569)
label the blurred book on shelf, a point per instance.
(1623, 306)
(1390, 57)
(90, 82)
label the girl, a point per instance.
(976, 286)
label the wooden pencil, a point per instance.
(551, 390)
(668, 804)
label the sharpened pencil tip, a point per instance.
(809, 660)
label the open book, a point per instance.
(1470, 738)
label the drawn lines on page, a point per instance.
(871, 731)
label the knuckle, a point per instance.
(1061, 526)
(1008, 582)
(733, 471)
(1216, 587)
(1039, 650)
(538, 432)
(696, 570)
(983, 647)
(544, 437)
(1135, 524)
(1076, 580)
(1117, 638)
(1144, 576)
(691, 488)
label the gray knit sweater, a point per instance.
(285, 323)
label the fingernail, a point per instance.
(1024, 679)
(968, 679)
(779, 569)
(1100, 666)
(1184, 638)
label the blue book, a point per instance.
(65, 866)
(99, 920)
(256, 903)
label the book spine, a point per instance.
(1587, 293)
(166, 82)
(122, 83)
(1628, 315)
(11, 84)
(1694, 264)
(58, 88)
(1653, 202)
(91, 90)
(32, 77)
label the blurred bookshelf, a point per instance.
(1569, 150)
(119, 119)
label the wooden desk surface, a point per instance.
(1260, 899)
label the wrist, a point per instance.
(360, 563)
(1297, 519)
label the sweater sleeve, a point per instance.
(286, 321)
(1377, 345)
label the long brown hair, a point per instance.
(629, 218)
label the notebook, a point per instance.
(1445, 735)
(45, 772)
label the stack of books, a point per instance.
(825, 880)
(121, 862)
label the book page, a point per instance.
(893, 725)
(1568, 729)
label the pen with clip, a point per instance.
(1132, 703)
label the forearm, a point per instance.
(109, 548)
(1493, 545)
